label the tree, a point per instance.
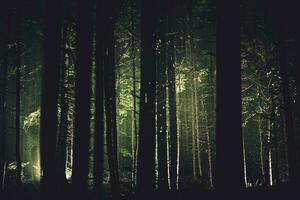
(146, 144)
(161, 93)
(18, 82)
(82, 96)
(99, 104)
(172, 96)
(4, 31)
(110, 16)
(63, 125)
(228, 130)
(286, 99)
(50, 87)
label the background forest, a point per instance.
(121, 99)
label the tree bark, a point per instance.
(50, 87)
(229, 143)
(82, 97)
(172, 95)
(18, 103)
(161, 94)
(3, 84)
(99, 103)
(110, 97)
(146, 144)
(63, 126)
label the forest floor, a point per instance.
(31, 192)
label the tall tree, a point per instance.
(228, 99)
(4, 31)
(134, 101)
(63, 125)
(172, 95)
(146, 145)
(99, 104)
(18, 90)
(110, 16)
(161, 94)
(49, 99)
(82, 96)
(286, 99)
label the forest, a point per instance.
(149, 99)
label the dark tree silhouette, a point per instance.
(146, 144)
(99, 104)
(110, 16)
(50, 88)
(172, 94)
(229, 157)
(4, 31)
(18, 90)
(280, 11)
(162, 100)
(82, 96)
(63, 126)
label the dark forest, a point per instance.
(149, 99)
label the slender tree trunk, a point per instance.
(194, 139)
(99, 103)
(18, 90)
(50, 87)
(269, 147)
(134, 105)
(261, 150)
(110, 100)
(287, 105)
(63, 126)
(82, 97)
(172, 95)
(229, 142)
(207, 135)
(162, 102)
(3, 89)
(146, 144)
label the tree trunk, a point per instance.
(18, 90)
(134, 105)
(287, 104)
(99, 103)
(50, 87)
(110, 100)
(146, 144)
(3, 89)
(172, 95)
(82, 97)
(261, 150)
(207, 135)
(63, 126)
(229, 142)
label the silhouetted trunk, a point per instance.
(229, 143)
(63, 126)
(287, 104)
(110, 97)
(18, 82)
(172, 96)
(146, 144)
(50, 87)
(4, 31)
(297, 79)
(99, 103)
(161, 93)
(208, 141)
(82, 97)
(134, 103)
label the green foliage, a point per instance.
(125, 153)
(33, 119)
